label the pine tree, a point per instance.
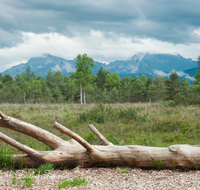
(172, 85)
(152, 93)
(49, 78)
(101, 77)
(159, 81)
(8, 79)
(197, 76)
(196, 82)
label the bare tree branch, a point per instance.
(23, 148)
(31, 130)
(99, 135)
(73, 135)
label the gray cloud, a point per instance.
(9, 39)
(179, 73)
(167, 20)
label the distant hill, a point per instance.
(149, 64)
(192, 71)
(40, 65)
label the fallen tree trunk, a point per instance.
(79, 152)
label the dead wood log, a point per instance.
(79, 152)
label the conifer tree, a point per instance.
(172, 85)
(197, 76)
(101, 77)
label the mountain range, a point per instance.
(141, 63)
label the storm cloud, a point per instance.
(127, 23)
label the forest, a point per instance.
(105, 87)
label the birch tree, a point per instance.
(83, 75)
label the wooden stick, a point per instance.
(73, 135)
(99, 135)
(3, 117)
(31, 130)
(23, 148)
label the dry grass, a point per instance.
(165, 126)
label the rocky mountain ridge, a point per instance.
(146, 63)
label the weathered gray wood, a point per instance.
(79, 152)
(31, 130)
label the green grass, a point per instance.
(122, 170)
(158, 164)
(14, 178)
(6, 159)
(27, 179)
(125, 170)
(162, 124)
(118, 169)
(73, 182)
(45, 168)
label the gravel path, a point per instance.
(107, 178)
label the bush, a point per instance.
(101, 114)
(43, 169)
(6, 159)
(187, 98)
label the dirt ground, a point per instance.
(107, 178)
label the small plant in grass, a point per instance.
(6, 160)
(158, 164)
(63, 167)
(27, 179)
(66, 110)
(21, 164)
(73, 182)
(45, 168)
(119, 169)
(125, 170)
(14, 178)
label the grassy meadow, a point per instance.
(156, 124)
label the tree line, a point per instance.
(106, 87)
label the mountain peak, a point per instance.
(143, 63)
(138, 56)
(46, 54)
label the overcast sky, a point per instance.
(107, 30)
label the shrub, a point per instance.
(101, 114)
(73, 182)
(28, 179)
(43, 169)
(6, 160)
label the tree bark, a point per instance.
(79, 152)
(24, 97)
(84, 97)
(81, 94)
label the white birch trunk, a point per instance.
(84, 97)
(24, 97)
(81, 94)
